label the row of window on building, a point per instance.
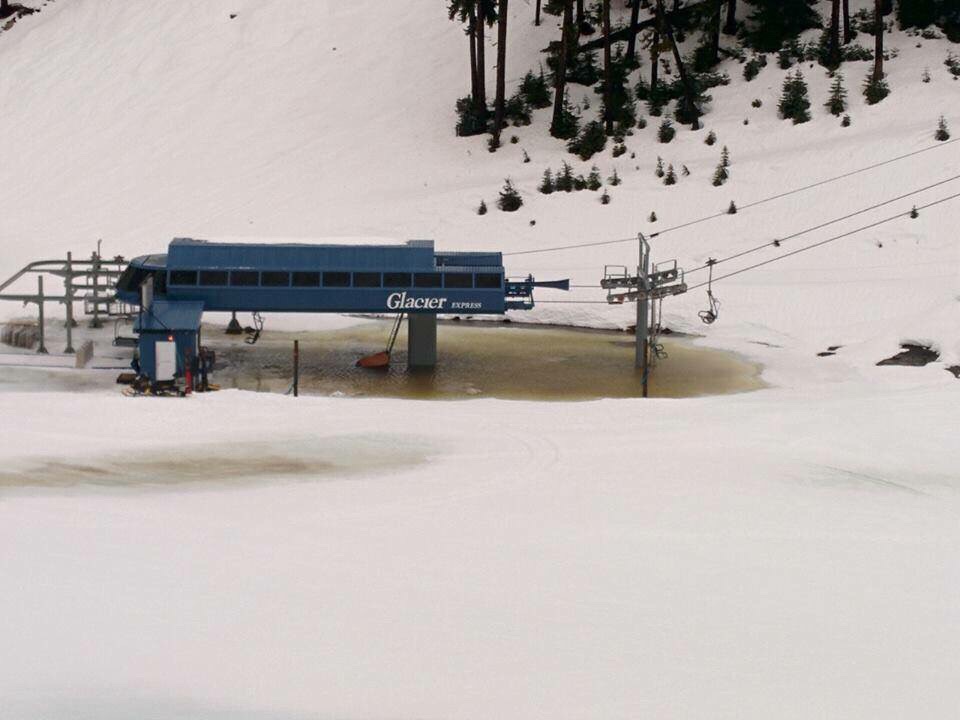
(335, 279)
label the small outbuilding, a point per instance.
(169, 337)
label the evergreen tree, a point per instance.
(564, 179)
(671, 177)
(534, 90)
(593, 179)
(794, 101)
(652, 218)
(846, 121)
(711, 138)
(482, 210)
(725, 157)
(732, 210)
(666, 132)
(546, 184)
(685, 171)
(617, 94)
(774, 21)
(592, 139)
(658, 171)
(614, 179)
(510, 200)
(875, 89)
(914, 214)
(943, 133)
(720, 175)
(605, 198)
(838, 96)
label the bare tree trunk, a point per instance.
(715, 32)
(607, 110)
(501, 71)
(536, 18)
(655, 47)
(474, 88)
(731, 27)
(4, 8)
(689, 98)
(833, 52)
(481, 63)
(634, 18)
(878, 50)
(847, 32)
(579, 16)
(560, 78)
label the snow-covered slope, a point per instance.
(135, 122)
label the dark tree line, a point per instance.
(764, 25)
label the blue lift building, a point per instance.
(173, 290)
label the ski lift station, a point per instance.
(173, 290)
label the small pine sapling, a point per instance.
(925, 77)
(875, 89)
(837, 102)
(725, 157)
(658, 171)
(671, 177)
(943, 132)
(614, 179)
(593, 179)
(846, 121)
(711, 138)
(914, 213)
(526, 157)
(652, 218)
(642, 123)
(619, 150)
(546, 184)
(732, 210)
(605, 198)
(510, 200)
(666, 132)
(720, 175)
(757, 102)
(579, 183)
(685, 171)
(482, 210)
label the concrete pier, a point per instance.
(421, 340)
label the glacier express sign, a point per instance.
(400, 301)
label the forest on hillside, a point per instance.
(643, 64)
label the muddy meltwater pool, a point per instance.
(479, 360)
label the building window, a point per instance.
(366, 279)
(306, 279)
(183, 277)
(427, 280)
(396, 280)
(214, 278)
(336, 279)
(245, 278)
(273, 278)
(458, 280)
(489, 281)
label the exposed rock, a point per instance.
(912, 355)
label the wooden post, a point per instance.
(296, 368)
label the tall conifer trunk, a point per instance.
(878, 49)
(731, 27)
(501, 71)
(536, 18)
(655, 47)
(474, 87)
(634, 19)
(833, 53)
(715, 31)
(847, 31)
(607, 110)
(481, 62)
(560, 78)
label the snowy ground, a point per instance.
(789, 553)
